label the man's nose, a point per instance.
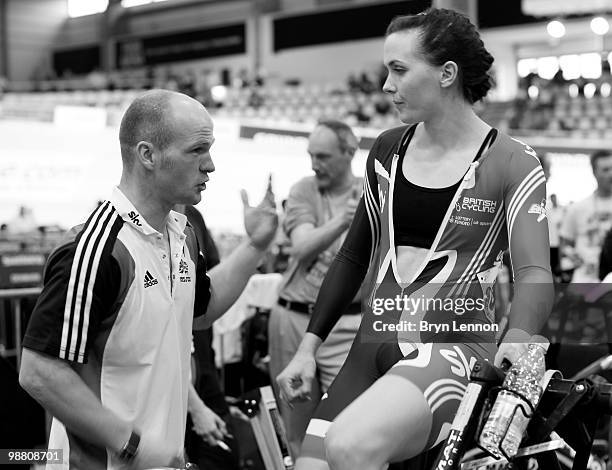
(207, 165)
(388, 87)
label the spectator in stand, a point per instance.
(353, 83)
(587, 222)
(555, 215)
(187, 83)
(23, 222)
(97, 80)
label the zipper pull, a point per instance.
(469, 179)
(471, 171)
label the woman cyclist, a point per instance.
(444, 196)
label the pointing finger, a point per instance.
(245, 198)
(269, 191)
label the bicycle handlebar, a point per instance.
(597, 394)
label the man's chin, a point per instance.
(322, 184)
(194, 199)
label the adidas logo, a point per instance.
(149, 280)
(183, 267)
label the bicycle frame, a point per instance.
(570, 408)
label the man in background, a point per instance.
(587, 221)
(319, 211)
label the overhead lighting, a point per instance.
(219, 93)
(78, 8)
(600, 25)
(135, 3)
(589, 90)
(526, 66)
(555, 29)
(533, 92)
(548, 67)
(573, 90)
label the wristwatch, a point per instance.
(130, 448)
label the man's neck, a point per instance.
(342, 186)
(603, 193)
(154, 212)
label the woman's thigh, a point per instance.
(409, 410)
(366, 362)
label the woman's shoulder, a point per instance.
(387, 142)
(513, 163)
(513, 154)
(514, 143)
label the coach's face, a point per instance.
(183, 165)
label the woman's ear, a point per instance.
(448, 73)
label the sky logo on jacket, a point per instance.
(539, 209)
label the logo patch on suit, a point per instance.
(184, 269)
(134, 217)
(149, 280)
(539, 209)
(461, 366)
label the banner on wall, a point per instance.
(76, 61)
(346, 24)
(279, 134)
(189, 45)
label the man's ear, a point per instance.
(144, 154)
(448, 73)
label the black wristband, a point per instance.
(130, 448)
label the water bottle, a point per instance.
(512, 410)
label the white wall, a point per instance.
(32, 28)
(61, 173)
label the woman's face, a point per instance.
(412, 81)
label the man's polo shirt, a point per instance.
(119, 307)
